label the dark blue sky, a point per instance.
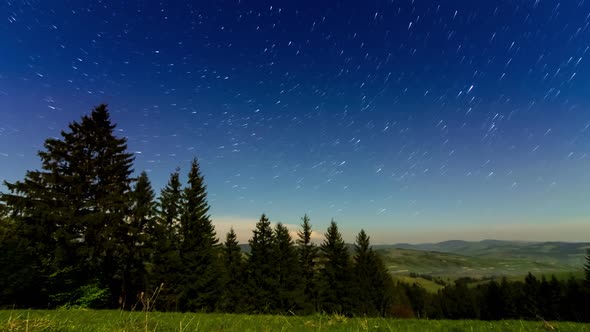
(416, 120)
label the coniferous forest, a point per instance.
(84, 231)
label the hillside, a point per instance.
(488, 258)
(407, 261)
(553, 253)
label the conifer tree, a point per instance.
(308, 254)
(373, 285)
(169, 205)
(587, 270)
(141, 237)
(288, 292)
(335, 273)
(233, 286)
(74, 208)
(261, 268)
(201, 272)
(166, 263)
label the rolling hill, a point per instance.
(487, 258)
(484, 258)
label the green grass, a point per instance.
(113, 321)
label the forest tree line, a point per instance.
(83, 232)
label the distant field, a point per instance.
(482, 260)
(406, 261)
(545, 254)
(428, 285)
(113, 321)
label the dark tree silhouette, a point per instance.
(140, 237)
(166, 263)
(336, 273)
(199, 280)
(308, 255)
(260, 269)
(288, 291)
(74, 210)
(233, 294)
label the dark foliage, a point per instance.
(73, 211)
(198, 281)
(261, 272)
(308, 256)
(336, 273)
(139, 238)
(288, 290)
(165, 260)
(372, 283)
(233, 294)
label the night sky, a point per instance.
(416, 120)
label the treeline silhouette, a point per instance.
(82, 232)
(531, 299)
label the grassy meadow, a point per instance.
(112, 321)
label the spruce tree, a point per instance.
(587, 270)
(199, 280)
(288, 291)
(308, 254)
(233, 284)
(74, 209)
(141, 237)
(336, 273)
(261, 268)
(373, 285)
(166, 263)
(169, 205)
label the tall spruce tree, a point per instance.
(233, 283)
(74, 209)
(373, 284)
(261, 268)
(587, 270)
(288, 291)
(308, 255)
(336, 273)
(166, 264)
(141, 237)
(199, 250)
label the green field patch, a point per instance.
(451, 265)
(118, 321)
